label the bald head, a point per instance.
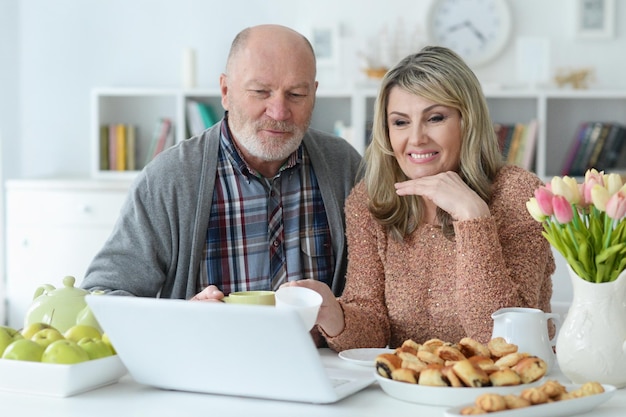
(265, 36)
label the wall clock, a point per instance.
(478, 30)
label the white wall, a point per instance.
(9, 15)
(8, 116)
(54, 52)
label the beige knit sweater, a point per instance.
(431, 287)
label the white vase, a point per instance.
(591, 344)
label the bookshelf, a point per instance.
(558, 113)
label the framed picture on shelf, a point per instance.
(595, 19)
(325, 41)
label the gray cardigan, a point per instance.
(155, 248)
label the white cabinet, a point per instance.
(54, 228)
(559, 113)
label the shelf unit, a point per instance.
(559, 113)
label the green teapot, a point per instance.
(61, 308)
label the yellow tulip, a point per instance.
(533, 208)
(613, 183)
(599, 196)
(566, 187)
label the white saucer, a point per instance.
(364, 356)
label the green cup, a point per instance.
(250, 297)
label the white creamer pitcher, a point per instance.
(528, 329)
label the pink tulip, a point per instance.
(544, 200)
(562, 209)
(593, 174)
(616, 205)
(585, 196)
(591, 180)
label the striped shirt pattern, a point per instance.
(263, 232)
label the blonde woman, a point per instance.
(438, 232)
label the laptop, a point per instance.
(218, 348)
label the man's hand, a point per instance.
(210, 293)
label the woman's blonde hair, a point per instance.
(439, 75)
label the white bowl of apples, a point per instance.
(39, 359)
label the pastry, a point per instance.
(472, 410)
(403, 351)
(484, 363)
(387, 363)
(471, 347)
(504, 378)
(413, 362)
(405, 375)
(412, 344)
(511, 359)
(432, 376)
(432, 344)
(449, 353)
(590, 388)
(491, 402)
(499, 347)
(472, 376)
(429, 357)
(513, 401)
(530, 369)
(553, 388)
(535, 395)
(450, 376)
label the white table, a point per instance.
(128, 398)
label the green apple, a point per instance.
(7, 336)
(78, 331)
(105, 339)
(95, 348)
(29, 331)
(46, 336)
(23, 350)
(64, 351)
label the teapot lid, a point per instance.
(68, 289)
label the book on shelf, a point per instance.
(112, 148)
(530, 141)
(501, 130)
(620, 160)
(131, 148)
(597, 145)
(117, 147)
(576, 144)
(613, 145)
(120, 164)
(208, 115)
(517, 142)
(518, 134)
(509, 131)
(104, 147)
(200, 116)
(162, 131)
(583, 153)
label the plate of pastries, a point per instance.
(550, 399)
(443, 373)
